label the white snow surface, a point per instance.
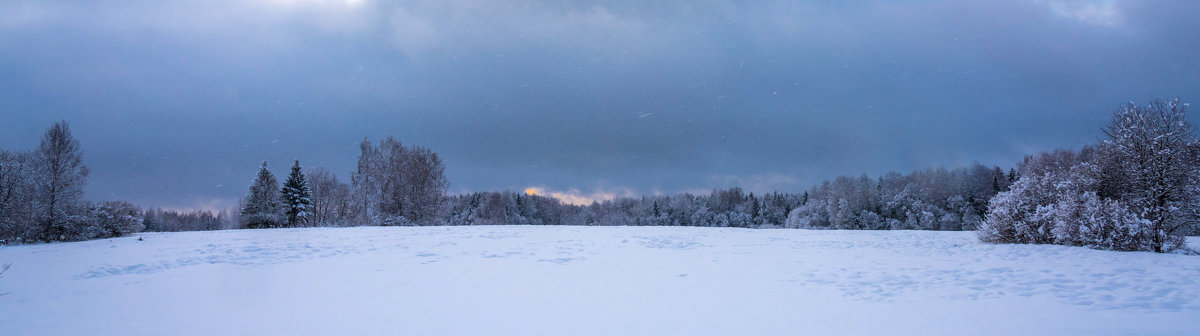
(550, 280)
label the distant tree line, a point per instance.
(932, 199)
(721, 208)
(159, 220)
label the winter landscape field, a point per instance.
(546, 280)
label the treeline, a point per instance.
(932, 199)
(721, 208)
(935, 199)
(1138, 190)
(394, 184)
(159, 220)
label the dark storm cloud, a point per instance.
(176, 102)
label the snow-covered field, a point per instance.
(582, 280)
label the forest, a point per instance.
(1138, 189)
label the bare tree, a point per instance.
(330, 197)
(1152, 150)
(426, 184)
(61, 177)
(16, 201)
(367, 193)
(397, 185)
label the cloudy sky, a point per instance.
(176, 102)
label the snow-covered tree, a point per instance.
(367, 183)
(1044, 205)
(16, 197)
(1151, 149)
(332, 201)
(425, 179)
(400, 185)
(296, 197)
(263, 207)
(59, 177)
(150, 221)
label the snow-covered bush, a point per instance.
(1005, 214)
(1109, 225)
(114, 219)
(1031, 210)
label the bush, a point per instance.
(1061, 205)
(114, 219)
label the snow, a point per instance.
(532, 280)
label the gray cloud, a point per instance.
(176, 102)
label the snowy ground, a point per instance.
(578, 280)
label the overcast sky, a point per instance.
(176, 102)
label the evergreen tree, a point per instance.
(297, 197)
(150, 221)
(262, 209)
(999, 181)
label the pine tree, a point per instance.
(999, 181)
(297, 197)
(262, 209)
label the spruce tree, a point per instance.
(262, 207)
(297, 198)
